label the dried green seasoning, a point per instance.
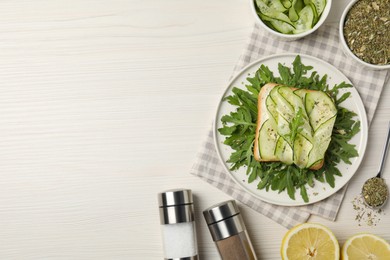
(367, 31)
(375, 192)
(364, 215)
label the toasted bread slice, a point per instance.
(263, 117)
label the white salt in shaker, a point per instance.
(178, 225)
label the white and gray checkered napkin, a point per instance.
(323, 44)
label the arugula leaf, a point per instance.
(299, 70)
(304, 193)
(290, 186)
(296, 126)
(239, 127)
(285, 74)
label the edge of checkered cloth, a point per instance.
(324, 45)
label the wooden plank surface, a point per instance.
(103, 104)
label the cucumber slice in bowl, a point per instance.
(299, 5)
(320, 6)
(292, 12)
(305, 21)
(286, 3)
(276, 5)
(315, 13)
(268, 8)
(271, 14)
(278, 25)
(282, 27)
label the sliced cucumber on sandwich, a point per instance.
(294, 126)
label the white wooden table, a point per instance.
(103, 104)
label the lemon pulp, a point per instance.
(366, 246)
(310, 241)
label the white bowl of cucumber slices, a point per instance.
(290, 20)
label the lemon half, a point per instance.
(365, 246)
(310, 241)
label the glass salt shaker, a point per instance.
(178, 225)
(228, 231)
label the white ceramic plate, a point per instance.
(320, 190)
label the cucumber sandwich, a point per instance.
(294, 126)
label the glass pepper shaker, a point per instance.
(228, 231)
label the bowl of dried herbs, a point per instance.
(365, 32)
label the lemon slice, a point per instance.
(365, 246)
(310, 241)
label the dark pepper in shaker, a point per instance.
(228, 231)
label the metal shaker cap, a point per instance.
(221, 211)
(224, 220)
(176, 206)
(175, 197)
